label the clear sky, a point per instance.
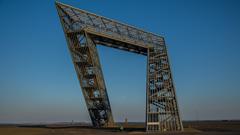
(38, 82)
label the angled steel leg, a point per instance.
(88, 68)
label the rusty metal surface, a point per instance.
(83, 31)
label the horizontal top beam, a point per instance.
(76, 20)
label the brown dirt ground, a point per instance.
(190, 128)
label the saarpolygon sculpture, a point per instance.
(83, 31)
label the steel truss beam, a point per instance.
(83, 31)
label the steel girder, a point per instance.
(83, 31)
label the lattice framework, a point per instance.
(83, 31)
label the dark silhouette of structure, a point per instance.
(83, 31)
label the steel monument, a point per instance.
(83, 31)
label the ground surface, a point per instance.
(191, 128)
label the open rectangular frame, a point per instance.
(83, 31)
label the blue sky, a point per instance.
(38, 82)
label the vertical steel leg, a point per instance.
(162, 109)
